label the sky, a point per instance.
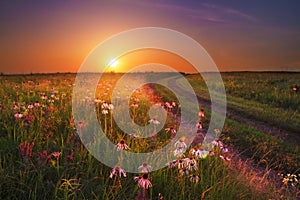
(57, 36)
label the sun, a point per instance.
(113, 63)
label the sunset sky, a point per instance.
(56, 35)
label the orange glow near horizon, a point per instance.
(147, 56)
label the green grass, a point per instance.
(79, 175)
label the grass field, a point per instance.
(257, 157)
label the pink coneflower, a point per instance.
(172, 164)
(122, 145)
(117, 170)
(56, 155)
(183, 172)
(144, 168)
(111, 106)
(143, 181)
(194, 178)
(30, 106)
(16, 106)
(44, 97)
(181, 164)
(180, 144)
(201, 113)
(26, 150)
(105, 106)
(70, 157)
(225, 158)
(36, 104)
(199, 125)
(18, 115)
(154, 121)
(134, 105)
(104, 112)
(43, 157)
(179, 152)
(172, 130)
(191, 164)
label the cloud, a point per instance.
(226, 11)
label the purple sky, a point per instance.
(56, 36)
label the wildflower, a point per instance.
(43, 157)
(179, 152)
(172, 130)
(26, 150)
(172, 164)
(201, 113)
(181, 164)
(30, 106)
(117, 170)
(36, 104)
(144, 168)
(191, 164)
(134, 105)
(110, 106)
(199, 125)
(122, 145)
(104, 112)
(183, 171)
(70, 157)
(18, 115)
(154, 121)
(105, 106)
(160, 196)
(225, 158)
(199, 153)
(16, 106)
(143, 181)
(98, 100)
(194, 178)
(180, 144)
(56, 155)
(44, 97)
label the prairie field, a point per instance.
(44, 154)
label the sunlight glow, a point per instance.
(113, 63)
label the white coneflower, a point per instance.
(143, 181)
(122, 145)
(117, 170)
(144, 168)
(194, 178)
